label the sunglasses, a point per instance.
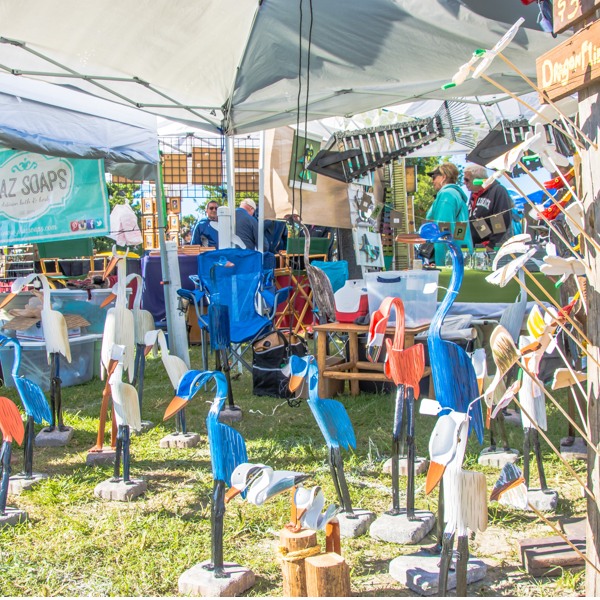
(212, 208)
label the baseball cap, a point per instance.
(249, 202)
(434, 173)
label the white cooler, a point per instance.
(417, 289)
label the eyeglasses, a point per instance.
(212, 208)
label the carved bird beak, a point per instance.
(108, 300)
(148, 349)
(174, 407)
(295, 382)
(110, 266)
(8, 299)
(231, 493)
(434, 474)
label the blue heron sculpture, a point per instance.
(11, 428)
(227, 451)
(33, 399)
(333, 421)
(454, 378)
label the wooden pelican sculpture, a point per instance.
(56, 340)
(143, 322)
(454, 378)
(119, 327)
(261, 483)
(333, 421)
(465, 505)
(126, 412)
(227, 451)
(405, 368)
(11, 428)
(33, 400)
(175, 367)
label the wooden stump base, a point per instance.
(296, 547)
(327, 575)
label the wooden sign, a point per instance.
(567, 13)
(572, 65)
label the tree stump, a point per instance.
(327, 575)
(295, 548)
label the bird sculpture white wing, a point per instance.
(125, 397)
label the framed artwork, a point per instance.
(305, 147)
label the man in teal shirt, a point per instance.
(450, 206)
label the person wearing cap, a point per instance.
(484, 204)
(246, 224)
(449, 206)
(205, 232)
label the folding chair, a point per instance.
(234, 278)
(294, 268)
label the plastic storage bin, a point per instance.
(34, 363)
(417, 289)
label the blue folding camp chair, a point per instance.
(234, 283)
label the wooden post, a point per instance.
(296, 547)
(588, 113)
(327, 575)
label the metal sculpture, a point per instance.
(56, 340)
(11, 428)
(227, 451)
(333, 421)
(405, 368)
(454, 378)
(126, 413)
(175, 367)
(464, 494)
(33, 400)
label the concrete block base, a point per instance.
(544, 501)
(356, 525)
(146, 426)
(199, 581)
(575, 451)
(399, 530)
(106, 456)
(12, 517)
(120, 490)
(512, 416)
(421, 465)
(420, 572)
(48, 439)
(228, 415)
(180, 440)
(19, 483)
(498, 457)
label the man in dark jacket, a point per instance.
(490, 209)
(205, 232)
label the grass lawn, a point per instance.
(77, 545)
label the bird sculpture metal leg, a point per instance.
(138, 371)
(336, 466)
(55, 394)
(222, 364)
(28, 447)
(445, 562)
(498, 424)
(404, 402)
(439, 523)
(5, 454)
(118, 452)
(124, 431)
(462, 559)
(180, 422)
(538, 457)
(531, 435)
(216, 517)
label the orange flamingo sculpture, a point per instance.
(405, 367)
(11, 428)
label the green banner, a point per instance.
(50, 198)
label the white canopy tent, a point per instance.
(235, 66)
